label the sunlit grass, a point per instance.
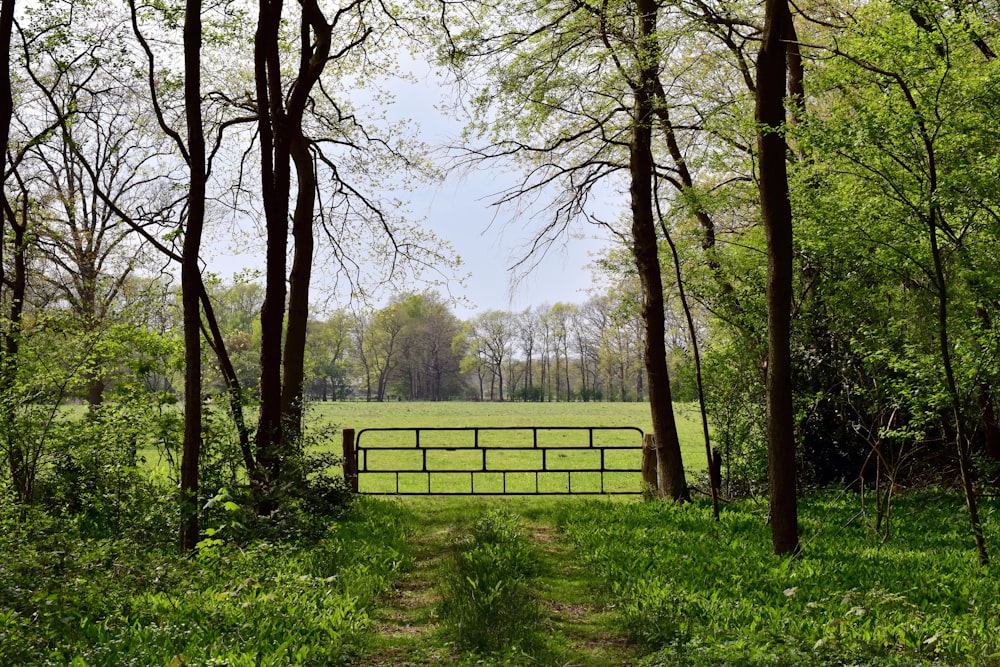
(67, 599)
(694, 592)
(559, 471)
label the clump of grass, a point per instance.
(486, 605)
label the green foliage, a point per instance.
(590, 394)
(486, 603)
(97, 475)
(736, 398)
(696, 592)
(530, 394)
(309, 492)
(69, 598)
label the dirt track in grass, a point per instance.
(576, 623)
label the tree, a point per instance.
(377, 337)
(428, 367)
(776, 212)
(493, 339)
(192, 147)
(930, 218)
(577, 100)
(191, 274)
(301, 125)
(527, 333)
(327, 346)
(91, 254)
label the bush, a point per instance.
(530, 394)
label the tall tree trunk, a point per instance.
(987, 411)
(776, 212)
(6, 91)
(282, 372)
(961, 440)
(234, 388)
(298, 292)
(21, 469)
(315, 35)
(191, 278)
(713, 479)
(645, 250)
(14, 453)
(275, 186)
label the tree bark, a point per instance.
(713, 479)
(961, 440)
(191, 278)
(315, 35)
(776, 213)
(275, 186)
(645, 250)
(298, 293)
(15, 458)
(6, 92)
(21, 469)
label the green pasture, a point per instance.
(505, 455)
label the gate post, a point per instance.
(649, 484)
(350, 461)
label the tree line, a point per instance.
(416, 348)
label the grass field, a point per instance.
(503, 457)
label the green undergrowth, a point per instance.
(491, 583)
(694, 592)
(69, 599)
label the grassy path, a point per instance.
(575, 623)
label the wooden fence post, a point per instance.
(649, 484)
(350, 461)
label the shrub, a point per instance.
(530, 394)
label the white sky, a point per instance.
(488, 241)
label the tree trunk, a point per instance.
(987, 411)
(776, 213)
(21, 469)
(275, 187)
(713, 478)
(645, 250)
(191, 278)
(15, 458)
(233, 387)
(315, 39)
(298, 292)
(6, 92)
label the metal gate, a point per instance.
(495, 460)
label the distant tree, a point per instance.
(104, 147)
(428, 368)
(527, 335)
(562, 316)
(327, 346)
(492, 340)
(377, 338)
